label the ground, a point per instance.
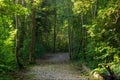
(54, 67)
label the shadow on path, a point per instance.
(54, 58)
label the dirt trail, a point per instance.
(54, 67)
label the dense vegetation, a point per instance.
(88, 29)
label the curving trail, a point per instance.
(54, 67)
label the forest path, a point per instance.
(54, 67)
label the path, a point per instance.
(54, 67)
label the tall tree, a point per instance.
(55, 22)
(32, 45)
(18, 44)
(69, 30)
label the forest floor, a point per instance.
(54, 67)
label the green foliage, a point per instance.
(94, 27)
(100, 71)
(39, 51)
(25, 52)
(104, 34)
(7, 35)
(45, 26)
(116, 68)
(7, 56)
(6, 77)
(61, 45)
(18, 9)
(102, 39)
(8, 62)
(82, 6)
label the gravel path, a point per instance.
(54, 67)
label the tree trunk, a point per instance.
(69, 39)
(22, 33)
(69, 32)
(55, 20)
(20, 65)
(32, 46)
(17, 50)
(22, 28)
(83, 37)
(96, 8)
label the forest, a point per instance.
(88, 30)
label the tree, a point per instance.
(55, 22)
(32, 46)
(69, 31)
